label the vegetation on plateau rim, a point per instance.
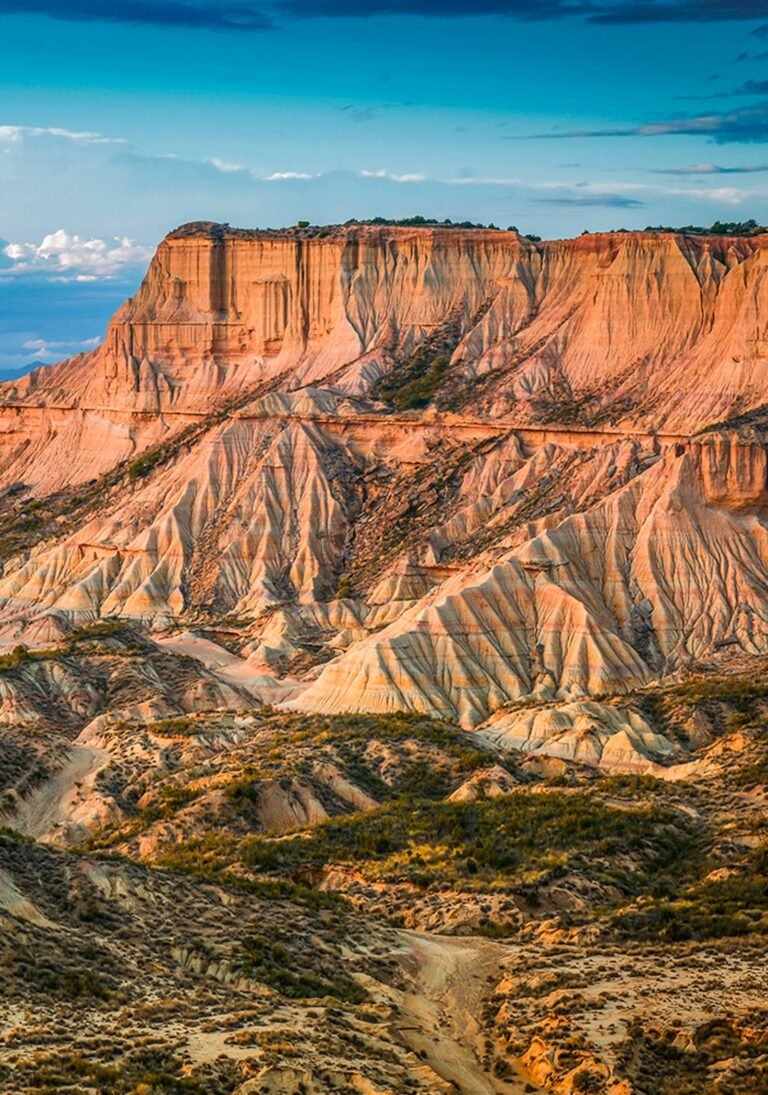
(307, 230)
(719, 228)
(433, 222)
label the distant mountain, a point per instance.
(15, 374)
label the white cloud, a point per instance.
(473, 181)
(280, 176)
(727, 195)
(61, 255)
(12, 134)
(44, 346)
(414, 177)
(418, 177)
(226, 166)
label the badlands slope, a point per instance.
(329, 584)
(434, 470)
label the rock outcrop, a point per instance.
(625, 313)
(639, 329)
(544, 523)
(647, 581)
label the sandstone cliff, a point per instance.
(543, 523)
(674, 323)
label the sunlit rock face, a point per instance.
(649, 580)
(677, 323)
(550, 524)
(673, 324)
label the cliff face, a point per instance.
(675, 323)
(630, 326)
(544, 527)
(220, 308)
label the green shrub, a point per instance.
(752, 775)
(736, 905)
(99, 629)
(184, 726)
(411, 391)
(344, 588)
(141, 467)
(169, 802)
(506, 838)
(731, 701)
(20, 655)
(272, 963)
(16, 657)
(719, 228)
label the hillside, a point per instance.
(380, 445)
(397, 598)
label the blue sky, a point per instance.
(556, 116)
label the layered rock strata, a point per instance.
(547, 525)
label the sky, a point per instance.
(121, 119)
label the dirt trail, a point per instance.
(439, 1017)
(47, 814)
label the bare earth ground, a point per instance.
(440, 1015)
(49, 809)
(279, 902)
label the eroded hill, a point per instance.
(383, 614)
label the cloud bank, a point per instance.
(248, 16)
(744, 125)
(12, 134)
(712, 169)
(70, 257)
(158, 13)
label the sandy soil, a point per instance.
(438, 1018)
(48, 811)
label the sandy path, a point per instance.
(47, 812)
(439, 1016)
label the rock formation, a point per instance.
(341, 569)
(427, 469)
